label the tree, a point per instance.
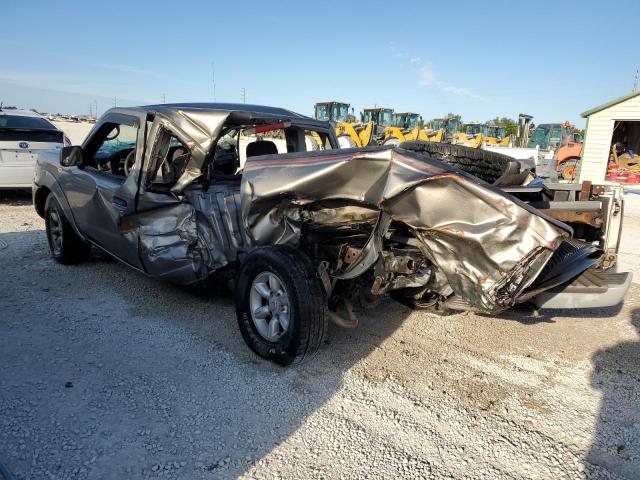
(453, 116)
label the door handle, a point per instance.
(119, 202)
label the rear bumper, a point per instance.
(16, 176)
(591, 289)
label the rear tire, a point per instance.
(65, 245)
(279, 284)
(345, 141)
(569, 169)
(489, 166)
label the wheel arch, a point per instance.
(40, 196)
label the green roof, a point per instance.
(609, 104)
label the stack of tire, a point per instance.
(492, 167)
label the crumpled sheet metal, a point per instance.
(168, 241)
(199, 128)
(483, 240)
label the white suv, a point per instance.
(22, 135)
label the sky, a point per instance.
(549, 59)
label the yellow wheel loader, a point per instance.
(496, 136)
(350, 133)
(408, 126)
(404, 126)
(442, 129)
(472, 135)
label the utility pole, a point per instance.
(115, 101)
(636, 81)
(243, 95)
(96, 111)
(213, 79)
(164, 99)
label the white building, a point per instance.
(615, 121)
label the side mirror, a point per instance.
(71, 156)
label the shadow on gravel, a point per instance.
(529, 315)
(127, 377)
(616, 446)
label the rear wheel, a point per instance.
(569, 169)
(311, 144)
(491, 167)
(345, 141)
(281, 305)
(65, 245)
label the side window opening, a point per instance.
(279, 141)
(113, 149)
(226, 160)
(168, 161)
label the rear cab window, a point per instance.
(279, 140)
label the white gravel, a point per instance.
(107, 374)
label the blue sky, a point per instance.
(549, 59)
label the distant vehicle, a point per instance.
(22, 136)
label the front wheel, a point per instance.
(281, 305)
(65, 245)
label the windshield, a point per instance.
(539, 137)
(385, 117)
(496, 132)
(323, 112)
(557, 134)
(340, 112)
(436, 124)
(380, 117)
(21, 121)
(411, 121)
(473, 129)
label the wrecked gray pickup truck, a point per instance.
(186, 192)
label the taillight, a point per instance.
(66, 141)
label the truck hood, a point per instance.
(488, 244)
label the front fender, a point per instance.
(45, 179)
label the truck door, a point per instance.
(103, 189)
(165, 223)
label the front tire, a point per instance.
(281, 305)
(64, 244)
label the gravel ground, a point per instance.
(107, 374)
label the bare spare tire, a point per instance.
(491, 167)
